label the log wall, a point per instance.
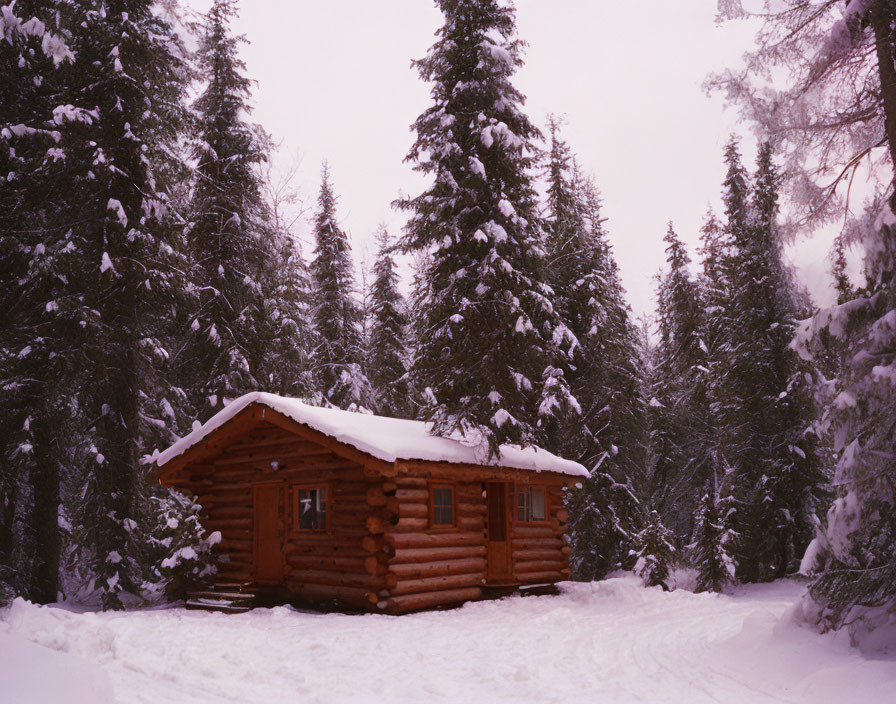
(540, 553)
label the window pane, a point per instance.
(522, 508)
(536, 502)
(442, 506)
(311, 508)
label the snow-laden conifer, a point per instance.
(487, 335)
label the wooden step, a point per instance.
(216, 605)
(214, 594)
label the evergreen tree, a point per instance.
(712, 547)
(339, 352)
(654, 553)
(38, 324)
(487, 335)
(230, 246)
(679, 396)
(602, 370)
(761, 397)
(387, 358)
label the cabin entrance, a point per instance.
(268, 532)
(498, 545)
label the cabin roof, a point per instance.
(387, 439)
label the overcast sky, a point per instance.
(334, 81)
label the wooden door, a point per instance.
(498, 547)
(268, 502)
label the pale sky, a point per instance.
(334, 82)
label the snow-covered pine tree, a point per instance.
(602, 370)
(679, 397)
(337, 358)
(230, 246)
(387, 358)
(38, 338)
(119, 137)
(487, 335)
(604, 519)
(711, 549)
(654, 553)
(760, 395)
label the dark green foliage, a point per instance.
(387, 356)
(654, 552)
(487, 337)
(232, 250)
(761, 393)
(711, 551)
(603, 516)
(339, 352)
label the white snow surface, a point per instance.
(387, 439)
(611, 641)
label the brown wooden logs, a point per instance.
(436, 554)
(413, 602)
(429, 540)
(433, 584)
(416, 570)
(356, 596)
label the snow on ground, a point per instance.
(611, 641)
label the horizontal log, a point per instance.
(220, 512)
(536, 555)
(416, 570)
(226, 524)
(429, 540)
(539, 565)
(539, 577)
(553, 543)
(411, 524)
(330, 549)
(389, 488)
(532, 531)
(355, 596)
(410, 482)
(427, 600)
(439, 583)
(471, 523)
(412, 495)
(336, 579)
(468, 509)
(408, 510)
(436, 554)
(327, 563)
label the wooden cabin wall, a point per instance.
(540, 553)
(325, 566)
(427, 567)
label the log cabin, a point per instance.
(325, 506)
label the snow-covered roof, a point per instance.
(387, 439)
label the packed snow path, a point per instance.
(611, 641)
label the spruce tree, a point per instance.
(679, 395)
(711, 550)
(230, 246)
(38, 320)
(761, 397)
(487, 335)
(339, 352)
(388, 345)
(654, 553)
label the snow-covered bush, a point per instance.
(655, 552)
(182, 556)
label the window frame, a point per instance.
(294, 490)
(433, 526)
(518, 487)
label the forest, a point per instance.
(150, 273)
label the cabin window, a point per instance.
(310, 507)
(441, 501)
(530, 504)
